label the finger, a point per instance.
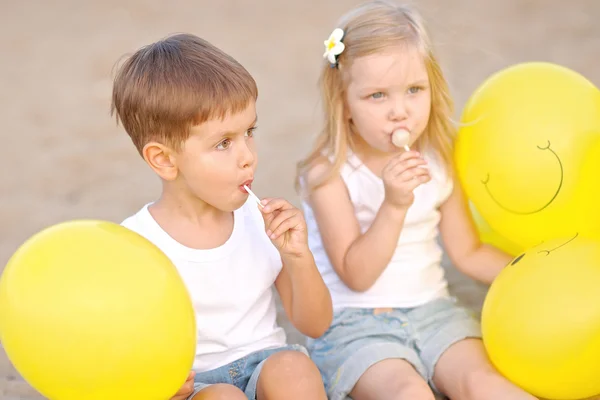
(407, 164)
(407, 155)
(269, 214)
(186, 389)
(191, 375)
(271, 205)
(402, 157)
(418, 181)
(265, 201)
(182, 395)
(282, 216)
(412, 173)
(267, 217)
(402, 164)
(285, 225)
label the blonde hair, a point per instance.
(167, 87)
(371, 28)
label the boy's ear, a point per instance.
(161, 159)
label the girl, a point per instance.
(374, 212)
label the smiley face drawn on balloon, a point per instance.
(546, 303)
(559, 184)
(528, 153)
(545, 252)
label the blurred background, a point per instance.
(65, 158)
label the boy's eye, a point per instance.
(377, 95)
(224, 144)
(250, 132)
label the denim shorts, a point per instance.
(242, 373)
(359, 338)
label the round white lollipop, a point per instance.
(400, 138)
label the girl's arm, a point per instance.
(480, 261)
(359, 259)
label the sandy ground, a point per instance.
(64, 158)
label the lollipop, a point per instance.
(255, 197)
(400, 138)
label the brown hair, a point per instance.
(167, 87)
(371, 28)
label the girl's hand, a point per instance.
(401, 176)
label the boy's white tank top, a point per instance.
(414, 275)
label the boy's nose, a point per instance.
(247, 157)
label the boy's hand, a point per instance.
(285, 226)
(186, 389)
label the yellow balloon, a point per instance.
(90, 310)
(528, 153)
(541, 319)
(489, 236)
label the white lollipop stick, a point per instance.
(255, 197)
(400, 138)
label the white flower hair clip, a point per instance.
(334, 46)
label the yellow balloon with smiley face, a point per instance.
(541, 319)
(489, 236)
(528, 153)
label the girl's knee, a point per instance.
(220, 391)
(416, 389)
(392, 379)
(409, 388)
(477, 379)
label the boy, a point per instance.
(190, 110)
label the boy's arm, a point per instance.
(305, 298)
(303, 293)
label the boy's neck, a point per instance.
(192, 222)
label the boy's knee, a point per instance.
(290, 363)
(291, 375)
(220, 391)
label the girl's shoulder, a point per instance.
(441, 174)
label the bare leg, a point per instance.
(464, 372)
(220, 391)
(290, 375)
(391, 379)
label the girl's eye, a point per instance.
(414, 89)
(377, 95)
(224, 145)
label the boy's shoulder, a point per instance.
(142, 220)
(138, 222)
(248, 234)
